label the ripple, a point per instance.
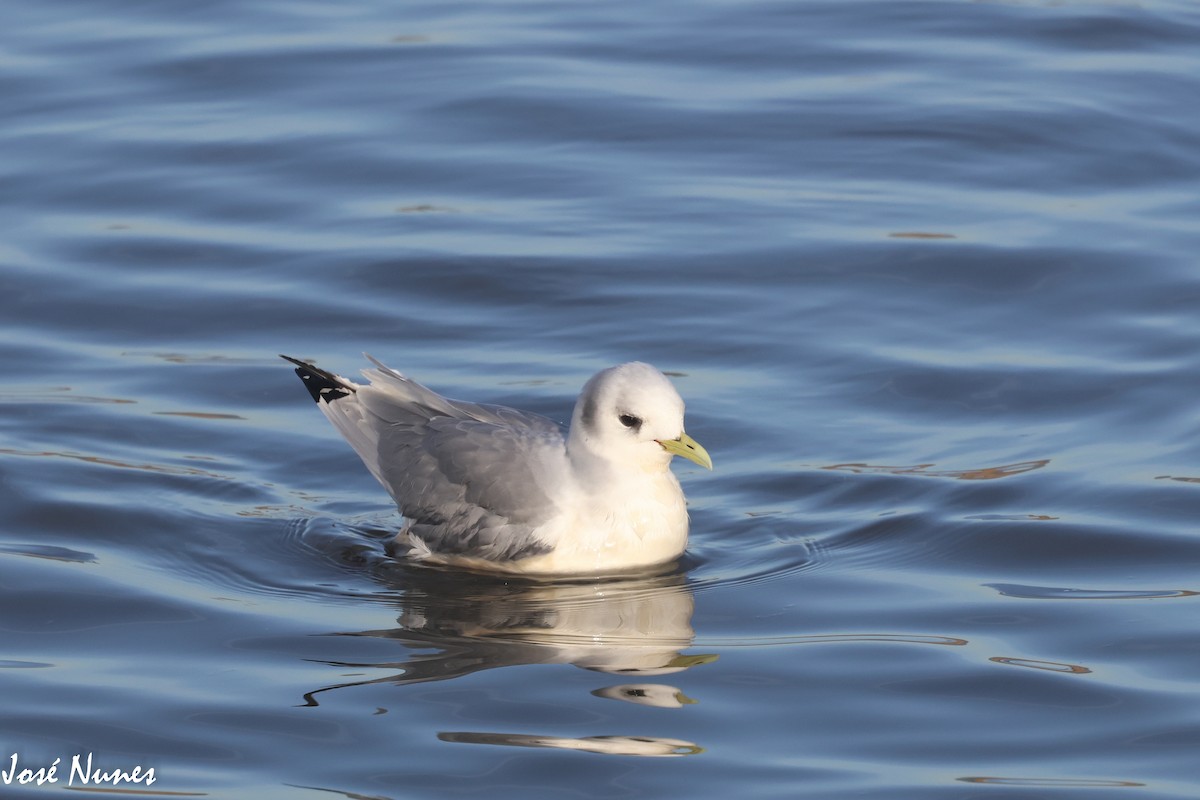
(114, 462)
(208, 415)
(756, 573)
(1011, 517)
(294, 567)
(1055, 593)
(193, 358)
(61, 394)
(1066, 783)
(832, 638)
(1051, 666)
(1179, 478)
(924, 470)
(47, 551)
(428, 208)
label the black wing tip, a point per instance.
(321, 385)
(295, 361)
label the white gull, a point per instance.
(493, 488)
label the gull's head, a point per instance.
(631, 414)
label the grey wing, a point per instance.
(472, 487)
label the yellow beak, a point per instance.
(687, 447)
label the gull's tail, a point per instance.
(321, 385)
(338, 400)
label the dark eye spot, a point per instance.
(630, 421)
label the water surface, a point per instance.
(925, 274)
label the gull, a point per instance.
(486, 487)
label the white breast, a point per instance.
(639, 522)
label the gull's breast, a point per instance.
(635, 525)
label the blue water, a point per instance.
(925, 274)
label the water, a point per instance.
(924, 272)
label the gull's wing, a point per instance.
(471, 478)
(471, 487)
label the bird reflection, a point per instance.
(650, 746)
(656, 695)
(453, 625)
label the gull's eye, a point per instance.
(630, 421)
